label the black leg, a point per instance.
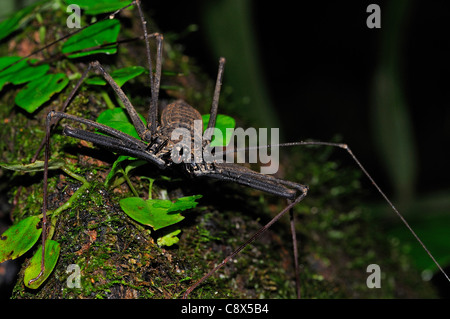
(115, 145)
(153, 111)
(66, 103)
(247, 242)
(215, 102)
(45, 198)
(295, 250)
(363, 169)
(154, 82)
(294, 192)
(137, 122)
(245, 176)
(119, 142)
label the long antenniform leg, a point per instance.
(253, 180)
(363, 169)
(345, 147)
(294, 192)
(246, 243)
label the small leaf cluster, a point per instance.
(100, 37)
(156, 213)
(37, 85)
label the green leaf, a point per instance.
(99, 6)
(118, 118)
(39, 91)
(37, 166)
(7, 60)
(222, 123)
(101, 33)
(121, 76)
(52, 250)
(133, 165)
(184, 203)
(157, 213)
(150, 212)
(115, 168)
(19, 238)
(20, 72)
(14, 22)
(169, 239)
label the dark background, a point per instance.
(315, 70)
(318, 61)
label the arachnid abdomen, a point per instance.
(179, 114)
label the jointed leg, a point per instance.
(44, 200)
(135, 119)
(294, 192)
(153, 110)
(63, 109)
(295, 250)
(154, 82)
(291, 184)
(215, 102)
(345, 147)
(247, 242)
(137, 122)
(118, 141)
(53, 118)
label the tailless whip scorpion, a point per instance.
(156, 146)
